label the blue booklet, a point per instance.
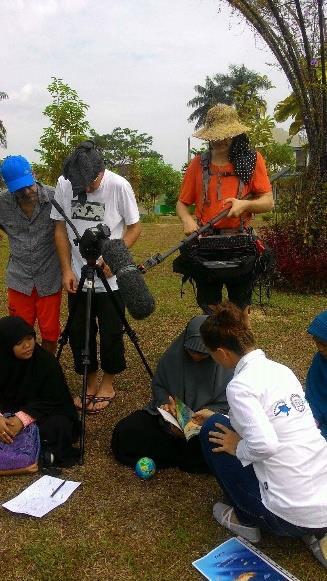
(237, 560)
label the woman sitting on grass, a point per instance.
(184, 371)
(33, 389)
(268, 457)
(316, 383)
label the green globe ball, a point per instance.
(145, 468)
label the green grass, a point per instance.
(116, 527)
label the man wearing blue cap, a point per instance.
(33, 271)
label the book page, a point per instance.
(183, 413)
(184, 419)
(191, 429)
(168, 417)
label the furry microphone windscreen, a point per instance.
(135, 293)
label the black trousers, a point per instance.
(58, 433)
(104, 317)
(142, 434)
(239, 291)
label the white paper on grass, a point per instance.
(36, 499)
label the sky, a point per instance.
(134, 62)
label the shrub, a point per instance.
(298, 266)
(150, 218)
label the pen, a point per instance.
(58, 488)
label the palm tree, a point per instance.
(3, 132)
(210, 94)
(227, 88)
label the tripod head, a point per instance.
(90, 243)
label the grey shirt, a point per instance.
(33, 260)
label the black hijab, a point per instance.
(36, 386)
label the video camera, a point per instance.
(90, 243)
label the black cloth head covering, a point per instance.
(12, 330)
(36, 385)
(83, 166)
(243, 157)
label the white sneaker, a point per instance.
(317, 547)
(223, 513)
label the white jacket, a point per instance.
(280, 438)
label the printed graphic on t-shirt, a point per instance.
(92, 211)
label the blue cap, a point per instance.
(318, 327)
(17, 173)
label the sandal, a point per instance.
(89, 398)
(98, 399)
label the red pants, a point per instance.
(46, 310)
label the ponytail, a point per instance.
(227, 328)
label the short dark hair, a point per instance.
(227, 328)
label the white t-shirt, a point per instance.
(280, 438)
(113, 204)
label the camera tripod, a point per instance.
(88, 272)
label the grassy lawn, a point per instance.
(117, 527)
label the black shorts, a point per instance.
(239, 291)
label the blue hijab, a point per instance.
(316, 383)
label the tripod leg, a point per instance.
(86, 356)
(130, 332)
(65, 333)
(87, 274)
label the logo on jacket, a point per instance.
(297, 402)
(281, 407)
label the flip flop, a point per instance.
(89, 399)
(98, 399)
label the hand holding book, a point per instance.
(183, 418)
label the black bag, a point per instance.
(219, 257)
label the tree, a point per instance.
(278, 156)
(228, 89)
(3, 132)
(210, 94)
(157, 179)
(122, 146)
(68, 127)
(295, 33)
(290, 107)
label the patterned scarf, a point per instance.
(243, 157)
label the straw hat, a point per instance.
(221, 122)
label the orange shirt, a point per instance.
(192, 190)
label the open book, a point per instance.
(183, 420)
(237, 560)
